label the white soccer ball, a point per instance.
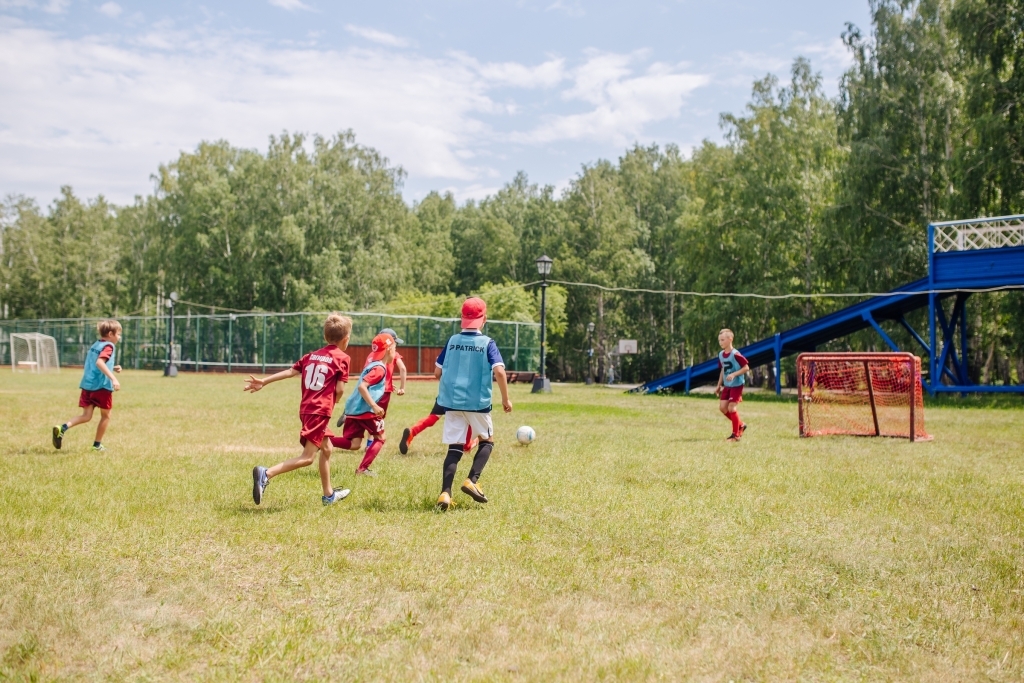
(525, 435)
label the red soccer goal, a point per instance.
(862, 394)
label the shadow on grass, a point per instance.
(250, 510)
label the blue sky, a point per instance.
(460, 94)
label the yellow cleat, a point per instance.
(444, 501)
(474, 491)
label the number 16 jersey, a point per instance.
(321, 370)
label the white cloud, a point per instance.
(290, 5)
(622, 102)
(52, 7)
(111, 9)
(375, 36)
(571, 8)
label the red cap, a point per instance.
(381, 343)
(474, 311)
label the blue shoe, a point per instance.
(339, 494)
(259, 483)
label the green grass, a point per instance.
(629, 542)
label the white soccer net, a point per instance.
(34, 352)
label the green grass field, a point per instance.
(629, 542)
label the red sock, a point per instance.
(469, 439)
(371, 453)
(426, 423)
(735, 419)
(341, 442)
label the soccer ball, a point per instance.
(525, 435)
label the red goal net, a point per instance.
(863, 394)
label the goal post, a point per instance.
(34, 352)
(861, 394)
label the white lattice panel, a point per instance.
(992, 234)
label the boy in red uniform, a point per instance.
(324, 373)
(730, 383)
(98, 385)
(364, 413)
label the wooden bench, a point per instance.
(521, 377)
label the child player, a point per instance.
(324, 373)
(363, 412)
(98, 384)
(465, 368)
(389, 382)
(730, 382)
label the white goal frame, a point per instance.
(34, 352)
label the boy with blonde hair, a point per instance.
(730, 383)
(324, 373)
(98, 384)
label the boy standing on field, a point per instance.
(730, 382)
(465, 368)
(324, 373)
(364, 412)
(98, 384)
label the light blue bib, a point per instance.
(354, 404)
(731, 365)
(466, 374)
(92, 378)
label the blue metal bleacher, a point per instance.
(963, 257)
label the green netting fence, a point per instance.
(258, 341)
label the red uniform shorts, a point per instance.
(384, 401)
(314, 429)
(731, 394)
(355, 427)
(101, 398)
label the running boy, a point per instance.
(465, 368)
(363, 411)
(389, 383)
(730, 383)
(324, 373)
(98, 384)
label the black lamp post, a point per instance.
(590, 353)
(171, 370)
(542, 383)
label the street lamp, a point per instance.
(170, 370)
(542, 383)
(590, 353)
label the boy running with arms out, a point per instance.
(363, 410)
(324, 373)
(730, 382)
(98, 384)
(389, 382)
(465, 368)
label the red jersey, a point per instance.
(389, 384)
(321, 371)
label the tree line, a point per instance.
(806, 194)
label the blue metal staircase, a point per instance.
(963, 257)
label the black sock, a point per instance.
(451, 464)
(483, 453)
(95, 444)
(64, 427)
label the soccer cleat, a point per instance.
(335, 496)
(340, 422)
(58, 436)
(733, 437)
(366, 473)
(474, 491)
(403, 445)
(444, 501)
(743, 428)
(98, 449)
(259, 483)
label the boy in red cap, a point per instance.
(465, 367)
(363, 412)
(324, 373)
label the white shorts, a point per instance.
(457, 421)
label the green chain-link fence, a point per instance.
(257, 341)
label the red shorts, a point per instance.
(314, 429)
(101, 398)
(731, 394)
(384, 401)
(355, 427)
